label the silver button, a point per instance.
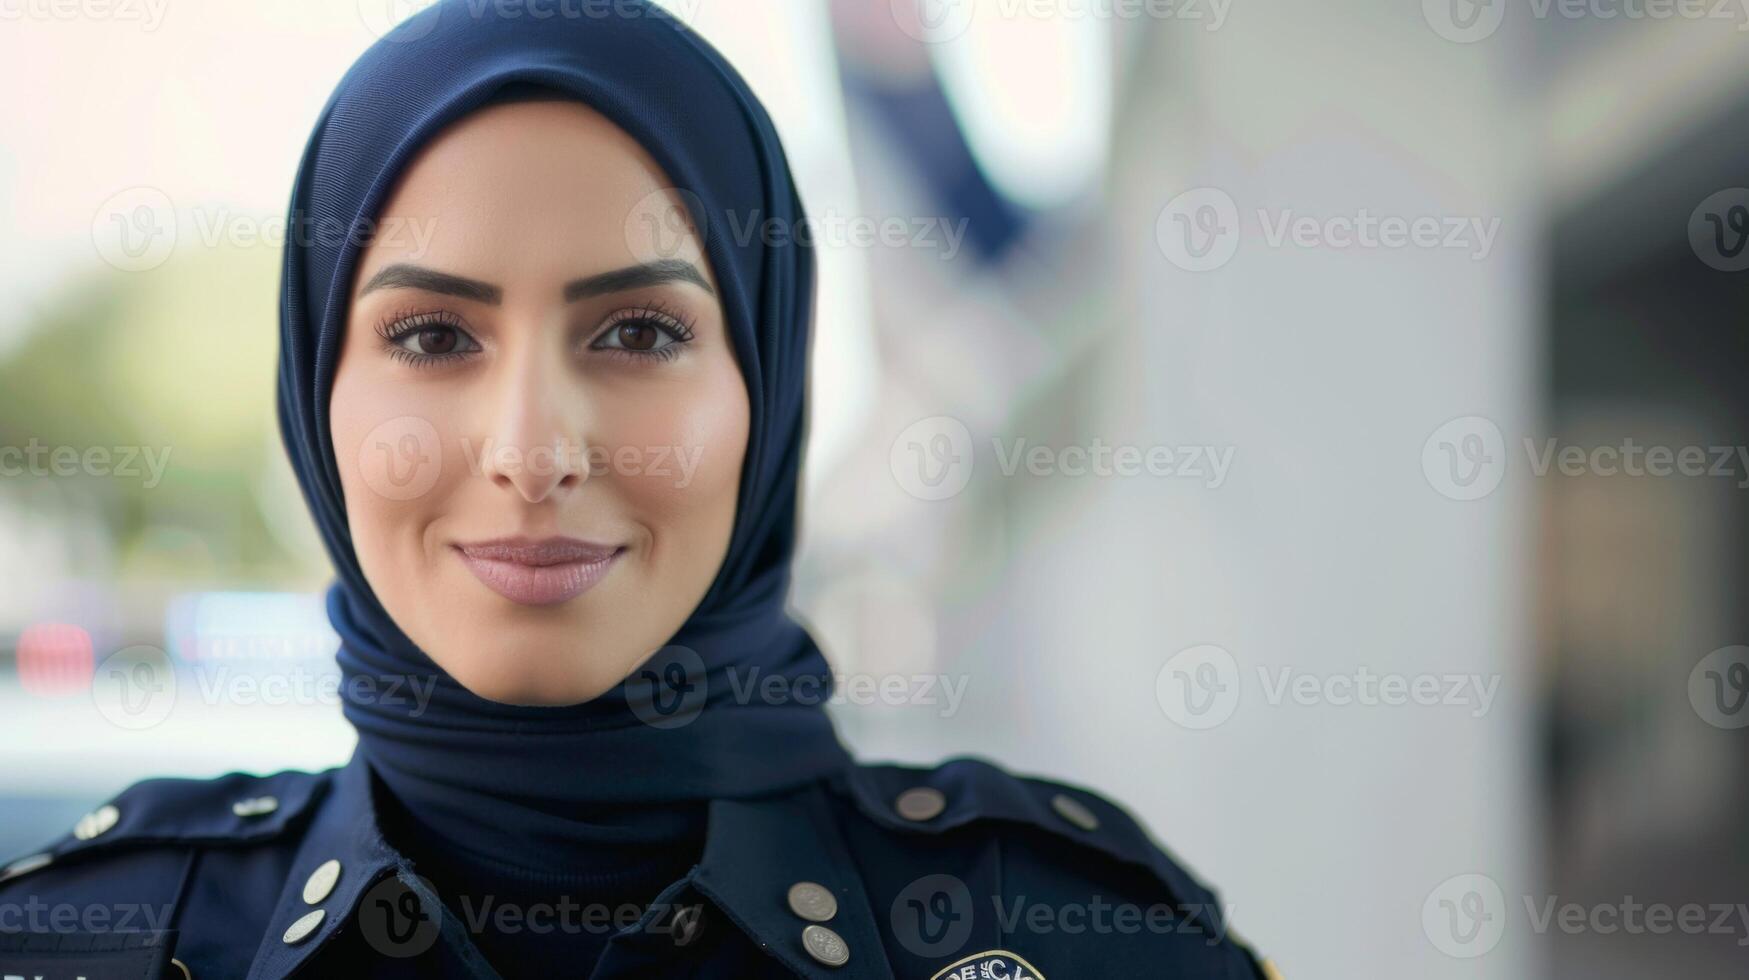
(258, 806)
(825, 945)
(687, 923)
(97, 822)
(25, 865)
(304, 928)
(321, 883)
(812, 901)
(1074, 811)
(920, 803)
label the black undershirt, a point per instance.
(553, 921)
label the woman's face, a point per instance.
(538, 416)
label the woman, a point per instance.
(547, 411)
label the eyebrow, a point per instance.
(404, 275)
(636, 277)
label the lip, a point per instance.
(538, 571)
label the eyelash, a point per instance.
(402, 324)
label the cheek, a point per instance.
(391, 452)
(682, 456)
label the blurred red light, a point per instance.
(55, 660)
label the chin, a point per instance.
(517, 678)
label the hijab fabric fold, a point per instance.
(699, 720)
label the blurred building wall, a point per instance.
(1327, 551)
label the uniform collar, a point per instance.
(345, 830)
(755, 851)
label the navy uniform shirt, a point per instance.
(962, 872)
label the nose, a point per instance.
(537, 441)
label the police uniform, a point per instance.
(963, 871)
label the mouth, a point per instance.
(538, 571)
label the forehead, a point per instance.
(526, 190)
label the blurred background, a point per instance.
(1319, 427)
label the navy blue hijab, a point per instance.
(710, 714)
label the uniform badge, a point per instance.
(991, 964)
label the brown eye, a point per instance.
(426, 338)
(437, 340)
(644, 333)
(638, 336)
